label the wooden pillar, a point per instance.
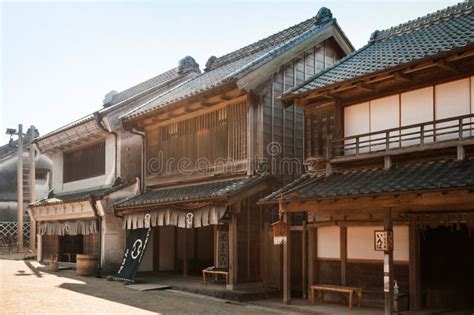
(32, 188)
(287, 263)
(232, 253)
(39, 252)
(414, 269)
(185, 253)
(312, 234)
(304, 261)
(343, 236)
(388, 266)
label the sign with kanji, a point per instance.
(383, 241)
(222, 249)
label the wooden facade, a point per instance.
(421, 113)
(225, 133)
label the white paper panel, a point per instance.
(360, 243)
(356, 121)
(329, 242)
(416, 107)
(451, 99)
(384, 114)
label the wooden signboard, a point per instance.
(383, 241)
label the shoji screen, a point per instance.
(416, 107)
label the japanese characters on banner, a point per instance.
(137, 242)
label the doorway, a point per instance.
(447, 273)
(69, 247)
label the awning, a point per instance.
(80, 227)
(183, 218)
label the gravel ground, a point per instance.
(25, 289)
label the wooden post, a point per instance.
(343, 236)
(232, 253)
(287, 263)
(414, 269)
(39, 252)
(312, 233)
(19, 222)
(304, 261)
(32, 188)
(388, 266)
(185, 253)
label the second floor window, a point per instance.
(84, 163)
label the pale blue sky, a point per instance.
(58, 59)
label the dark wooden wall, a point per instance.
(284, 126)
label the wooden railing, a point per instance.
(442, 131)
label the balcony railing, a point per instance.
(441, 133)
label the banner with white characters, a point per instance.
(137, 242)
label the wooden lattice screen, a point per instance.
(213, 137)
(84, 163)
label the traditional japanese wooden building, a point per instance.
(389, 134)
(96, 163)
(210, 145)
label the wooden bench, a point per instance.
(213, 271)
(350, 291)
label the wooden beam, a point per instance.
(414, 270)
(185, 253)
(343, 237)
(233, 252)
(388, 266)
(287, 262)
(443, 64)
(312, 252)
(402, 76)
(365, 87)
(421, 201)
(304, 261)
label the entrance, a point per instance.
(171, 246)
(69, 247)
(447, 273)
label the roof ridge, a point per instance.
(427, 20)
(249, 49)
(145, 82)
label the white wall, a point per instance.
(328, 240)
(89, 183)
(360, 243)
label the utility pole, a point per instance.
(19, 228)
(32, 187)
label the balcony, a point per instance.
(437, 134)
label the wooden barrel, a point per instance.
(86, 265)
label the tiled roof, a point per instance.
(95, 193)
(219, 189)
(186, 65)
(430, 35)
(175, 75)
(232, 66)
(423, 176)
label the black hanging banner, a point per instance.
(137, 242)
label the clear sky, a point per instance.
(59, 58)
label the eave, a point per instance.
(404, 74)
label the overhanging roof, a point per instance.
(217, 190)
(428, 36)
(406, 178)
